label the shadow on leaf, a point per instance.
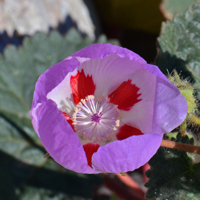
(167, 63)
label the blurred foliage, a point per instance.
(179, 45)
(24, 173)
(170, 7)
(133, 14)
(173, 175)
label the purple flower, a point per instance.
(104, 109)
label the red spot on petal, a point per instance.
(82, 86)
(89, 149)
(126, 131)
(125, 96)
(69, 119)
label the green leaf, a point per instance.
(21, 67)
(26, 174)
(179, 44)
(173, 175)
(171, 7)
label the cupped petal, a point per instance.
(51, 78)
(109, 73)
(59, 139)
(102, 50)
(140, 115)
(170, 108)
(106, 75)
(126, 155)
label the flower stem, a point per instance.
(180, 146)
(145, 167)
(47, 155)
(115, 186)
(127, 180)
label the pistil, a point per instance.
(96, 117)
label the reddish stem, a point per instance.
(145, 167)
(122, 192)
(127, 180)
(180, 146)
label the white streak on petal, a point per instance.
(62, 94)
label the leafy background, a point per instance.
(179, 44)
(24, 172)
(173, 174)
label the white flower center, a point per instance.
(96, 119)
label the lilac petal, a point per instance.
(109, 73)
(59, 139)
(126, 155)
(170, 107)
(102, 50)
(140, 115)
(51, 78)
(102, 71)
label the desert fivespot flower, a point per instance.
(104, 109)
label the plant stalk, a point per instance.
(180, 146)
